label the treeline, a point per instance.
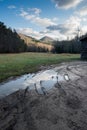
(34, 48)
(72, 46)
(10, 41)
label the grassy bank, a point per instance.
(18, 64)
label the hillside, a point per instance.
(33, 42)
(13, 42)
(46, 39)
(28, 40)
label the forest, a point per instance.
(10, 42)
(68, 46)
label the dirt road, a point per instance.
(64, 107)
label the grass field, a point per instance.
(18, 64)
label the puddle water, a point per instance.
(46, 79)
(41, 81)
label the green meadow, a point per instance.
(12, 65)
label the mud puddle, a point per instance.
(46, 79)
(43, 80)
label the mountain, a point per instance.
(46, 39)
(13, 42)
(27, 39)
(35, 43)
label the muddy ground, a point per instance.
(64, 107)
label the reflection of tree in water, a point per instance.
(58, 85)
(40, 87)
(36, 88)
(43, 89)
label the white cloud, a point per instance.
(74, 21)
(84, 30)
(82, 11)
(39, 35)
(66, 4)
(55, 19)
(69, 28)
(71, 24)
(84, 19)
(11, 7)
(60, 31)
(30, 32)
(54, 34)
(35, 18)
(35, 10)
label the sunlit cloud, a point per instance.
(30, 32)
(82, 11)
(35, 18)
(68, 28)
(34, 10)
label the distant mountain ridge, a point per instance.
(46, 39)
(33, 42)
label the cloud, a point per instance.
(84, 29)
(60, 31)
(82, 11)
(57, 31)
(11, 7)
(34, 10)
(69, 28)
(84, 19)
(66, 4)
(30, 32)
(53, 34)
(55, 19)
(64, 29)
(39, 35)
(33, 16)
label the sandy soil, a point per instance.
(62, 108)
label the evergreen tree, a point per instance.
(10, 41)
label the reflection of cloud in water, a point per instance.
(66, 76)
(45, 79)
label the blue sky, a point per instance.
(58, 19)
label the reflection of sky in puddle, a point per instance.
(46, 79)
